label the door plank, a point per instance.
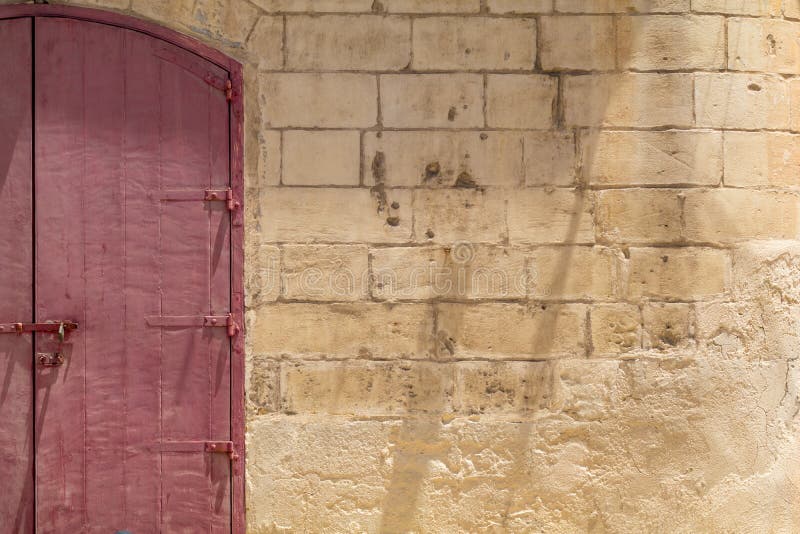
(16, 277)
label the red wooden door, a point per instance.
(118, 192)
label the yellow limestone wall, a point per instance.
(518, 265)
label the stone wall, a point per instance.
(518, 265)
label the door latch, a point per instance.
(50, 359)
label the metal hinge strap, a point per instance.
(214, 447)
(207, 321)
(207, 195)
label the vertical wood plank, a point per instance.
(16, 277)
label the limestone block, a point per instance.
(738, 100)
(763, 45)
(365, 388)
(318, 100)
(290, 6)
(667, 325)
(622, 6)
(459, 43)
(262, 274)
(577, 43)
(432, 100)
(461, 272)
(671, 42)
(328, 157)
(452, 216)
(348, 42)
(520, 101)
(550, 158)
(265, 43)
(731, 215)
(468, 331)
(762, 8)
(686, 274)
(762, 159)
(674, 157)
(353, 330)
(520, 6)
(573, 273)
(324, 272)
(269, 157)
(431, 6)
(437, 158)
(555, 216)
(334, 215)
(631, 99)
(639, 216)
(503, 387)
(616, 329)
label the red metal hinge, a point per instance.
(55, 327)
(222, 194)
(222, 447)
(207, 321)
(208, 195)
(214, 447)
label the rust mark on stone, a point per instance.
(466, 181)
(379, 177)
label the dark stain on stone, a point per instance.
(465, 181)
(452, 113)
(393, 220)
(379, 177)
(395, 205)
(447, 342)
(377, 7)
(432, 170)
(429, 234)
(754, 87)
(484, 136)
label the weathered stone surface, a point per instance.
(616, 329)
(737, 100)
(762, 159)
(763, 45)
(674, 157)
(461, 272)
(262, 274)
(639, 216)
(520, 101)
(265, 44)
(439, 159)
(558, 216)
(667, 326)
(308, 215)
(469, 331)
(678, 273)
(344, 42)
(453, 216)
(432, 100)
(365, 388)
(622, 6)
(431, 6)
(314, 5)
(739, 7)
(329, 157)
(632, 99)
(573, 273)
(319, 100)
(577, 43)
(520, 6)
(324, 272)
(717, 215)
(550, 158)
(665, 42)
(458, 43)
(353, 330)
